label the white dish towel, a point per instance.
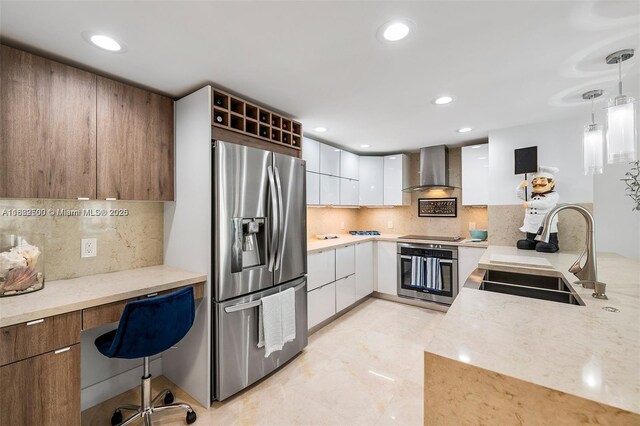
(277, 321)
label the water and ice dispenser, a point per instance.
(249, 243)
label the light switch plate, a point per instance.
(89, 247)
(472, 226)
(341, 225)
(390, 224)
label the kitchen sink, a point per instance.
(554, 289)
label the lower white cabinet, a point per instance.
(329, 190)
(321, 268)
(345, 261)
(364, 269)
(349, 192)
(321, 304)
(468, 258)
(387, 268)
(345, 292)
(313, 188)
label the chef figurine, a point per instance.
(543, 199)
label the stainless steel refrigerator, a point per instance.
(259, 248)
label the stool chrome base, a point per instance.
(148, 406)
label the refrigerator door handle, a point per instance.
(280, 220)
(273, 244)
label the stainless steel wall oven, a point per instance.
(418, 265)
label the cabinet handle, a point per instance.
(111, 199)
(152, 294)
(83, 198)
(34, 322)
(59, 351)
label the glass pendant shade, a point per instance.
(593, 145)
(621, 130)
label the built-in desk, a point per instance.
(40, 337)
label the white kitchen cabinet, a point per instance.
(321, 304)
(311, 154)
(371, 181)
(468, 258)
(396, 178)
(321, 268)
(345, 292)
(349, 190)
(349, 165)
(313, 188)
(364, 269)
(329, 190)
(475, 167)
(329, 160)
(387, 267)
(345, 261)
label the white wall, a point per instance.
(559, 145)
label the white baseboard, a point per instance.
(100, 392)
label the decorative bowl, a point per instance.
(479, 234)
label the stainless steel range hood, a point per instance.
(434, 169)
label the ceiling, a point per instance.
(506, 63)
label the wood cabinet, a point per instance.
(371, 181)
(42, 390)
(47, 128)
(396, 178)
(364, 269)
(135, 143)
(387, 268)
(475, 166)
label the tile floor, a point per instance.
(363, 369)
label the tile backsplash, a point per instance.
(132, 240)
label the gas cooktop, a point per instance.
(429, 238)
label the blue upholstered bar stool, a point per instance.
(148, 327)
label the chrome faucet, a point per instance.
(587, 273)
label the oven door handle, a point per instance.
(445, 261)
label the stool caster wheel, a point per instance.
(191, 417)
(168, 398)
(116, 419)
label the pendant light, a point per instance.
(593, 140)
(621, 118)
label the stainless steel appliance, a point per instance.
(448, 256)
(259, 248)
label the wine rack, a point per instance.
(233, 113)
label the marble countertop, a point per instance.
(580, 350)
(62, 296)
(314, 244)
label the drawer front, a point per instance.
(42, 390)
(321, 304)
(345, 261)
(345, 292)
(111, 312)
(36, 337)
(321, 268)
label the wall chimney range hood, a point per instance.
(434, 169)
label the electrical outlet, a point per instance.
(390, 224)
(472, 226)
(89, 247)
(341, 225)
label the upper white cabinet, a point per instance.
(364, 269)
(349, 192)
(311, 154)
(371, 181)
(313, 188)
(329, 190)
(475, 166)
(329, 160)
(349, 165)
(396, 178)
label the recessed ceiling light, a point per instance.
(464, 130)
(320, 129)
(443, 100)
(336, 150)
(365, 146)
(395, 30)
(104, 42)
(476, 146)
